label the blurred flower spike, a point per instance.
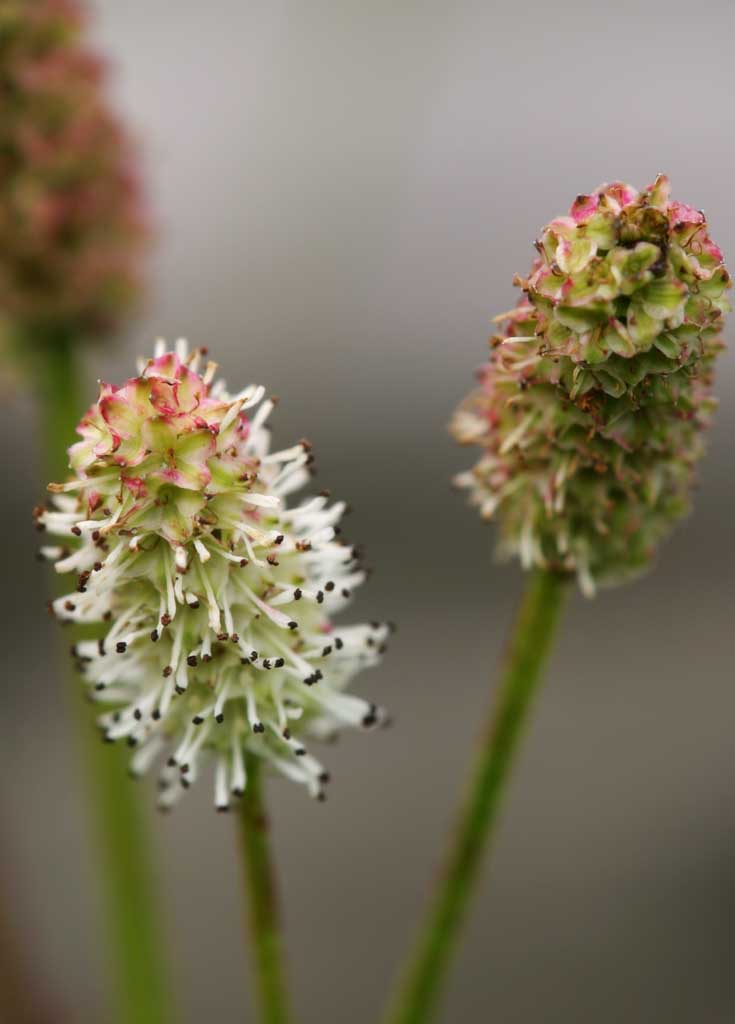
(591, 410)
(218, 598)
(72, 223)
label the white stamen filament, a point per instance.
(221, 795)
(238, 777)
(202, 551)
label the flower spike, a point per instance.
(72, 219)
(218, 596)
(592, 407)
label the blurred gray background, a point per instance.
(344, 191)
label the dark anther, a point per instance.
(371, 717)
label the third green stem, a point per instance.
(123, 843)
(416, 997)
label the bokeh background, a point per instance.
(343, 192)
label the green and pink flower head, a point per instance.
(219, 598)
(591, 410)
(72, 223)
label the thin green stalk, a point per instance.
(124, 854)
(263, 913)
(416, 997)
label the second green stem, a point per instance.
(417, 996)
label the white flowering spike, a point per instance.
(219, 598)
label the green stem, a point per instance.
(125, 859)
(416, 998)
(263, 914)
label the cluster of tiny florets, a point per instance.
(71, 219)
(591, 409)
(218, 598)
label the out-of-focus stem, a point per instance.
(23, 999)
(416, 998)
(122, 836)
(263, 915)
